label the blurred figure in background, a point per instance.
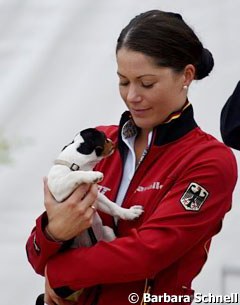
(182, 176)
(230, 120)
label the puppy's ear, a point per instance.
(93, 140)
(88, 133)
(85, 149)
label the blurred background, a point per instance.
(58, 76)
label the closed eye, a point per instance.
(123, 83)
(147, 85)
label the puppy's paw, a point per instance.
(91, 177)
(98, 177)
(133, 212)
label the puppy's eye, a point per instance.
(99, 150)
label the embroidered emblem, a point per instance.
(194, 197)
(153, 186)
(142, 157)
(103, 189)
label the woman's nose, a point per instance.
(133, 95)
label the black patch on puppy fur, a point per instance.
(67, 145)
(93, 140)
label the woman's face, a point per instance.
(150, 92)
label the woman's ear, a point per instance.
(189, 74)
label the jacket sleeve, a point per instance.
(230, 120)
(169, 233)
(39, 248)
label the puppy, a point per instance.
(73, 167)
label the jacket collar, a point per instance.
(177, 125)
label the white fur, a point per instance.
(62, 181)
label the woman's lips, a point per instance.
(139, 112)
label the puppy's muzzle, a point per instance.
(108, 148)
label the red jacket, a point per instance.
(185, 184)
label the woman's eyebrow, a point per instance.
(119, 74)
(137, 76)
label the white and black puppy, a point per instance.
(73, 167)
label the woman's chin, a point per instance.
(145, 124)
(146, 127)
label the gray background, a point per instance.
(58, 76)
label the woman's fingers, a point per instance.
(75, 212)
(90, 196)
(48, 300)
(48, 197)
(80, 193)
(77, 196)
(50, 297)
(65, 302)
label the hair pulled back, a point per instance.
(166, 38)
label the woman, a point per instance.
(182, 176)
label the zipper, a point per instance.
(147, 289)
(148, 282)
(137, 169)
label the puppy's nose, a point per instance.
(110, 142)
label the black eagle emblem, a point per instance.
(194, 197)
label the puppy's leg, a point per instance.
(109, 207)
(108, 234)
(62, 187)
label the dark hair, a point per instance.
(166, 38)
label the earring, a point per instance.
(185, 87)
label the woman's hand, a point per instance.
(72, 216)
